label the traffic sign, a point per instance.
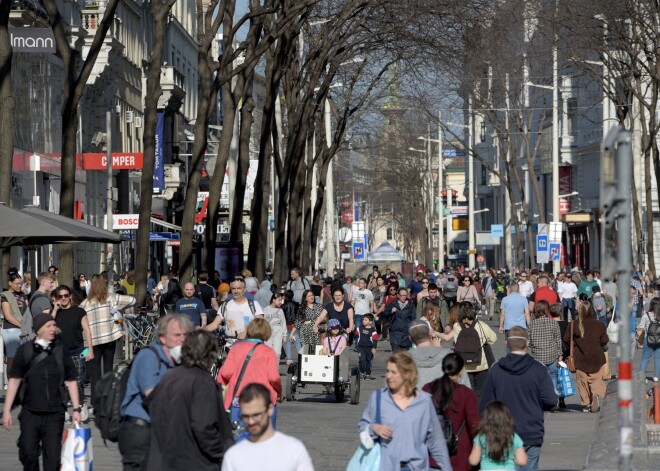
(541, 243)
(345, 234)
(497, 230)
(555, 252)
(358, 250)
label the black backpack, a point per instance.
(468, 344)
(110, 391)
(451, 439)
(653, 333)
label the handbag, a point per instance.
(488, 349)
(77, 450)
(613, 331)
(569, 360)
(565, 385)
(367, 459)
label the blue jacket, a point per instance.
(524, 385)
(417, 432)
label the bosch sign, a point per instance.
(125, 221)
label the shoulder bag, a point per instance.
(368, 459)
(569, 360)
(488, 349)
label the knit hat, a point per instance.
(40, 320)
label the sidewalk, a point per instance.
(329, 429)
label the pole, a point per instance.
(108, 202)
(471, 243)
(429, 199)
(624, 259)
(555, 143)
(441, 221)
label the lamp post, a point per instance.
(428, 197)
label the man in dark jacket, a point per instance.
(190, 429)
(44, 367)
(402, 312)
(290, 308)
(524, 385)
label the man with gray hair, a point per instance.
(524, 386)
(428, 358)
(148, 368)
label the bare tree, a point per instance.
(7, 124)
(76, 72)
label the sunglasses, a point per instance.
(64, 296)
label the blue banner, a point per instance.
(159, 163)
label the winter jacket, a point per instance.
(401, 319)
(524, 386)
(189, 427)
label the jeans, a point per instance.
(134, 442)
(552, 371)
(297, 345)
(568, 305)
(647, 353)
(533, 455)
(365, 360)
(79, 363)
(12, 339)
(104, 356)
(40, 432)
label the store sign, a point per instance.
(34, 40)
(120, 161)
(122, 222)
(565, 187)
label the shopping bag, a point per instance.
(613, 331)
(607, 372)
(365, 459)
(77, 451)
(565, 386)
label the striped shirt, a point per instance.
(101, 322)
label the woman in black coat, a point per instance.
(190, 429)
(400, 312)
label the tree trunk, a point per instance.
(7, 124)
(159, 12)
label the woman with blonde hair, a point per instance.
(404, 420)
(251, 283)
(589, 337)
(105, 324)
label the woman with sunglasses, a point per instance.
(468, 293)
(84, 283)
(13, 303)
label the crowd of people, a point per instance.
(495, 408)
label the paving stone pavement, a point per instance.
(329, 429)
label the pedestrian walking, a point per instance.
(189, 426)
(265, 448)
(649, 324)
(14, 303)
(514, 311)
(524, 386)
(103, 316)
(308, 313)
(589, 336)
(498, 446)
(148, 369)
(458, 403)
(545, 340)
(367, 343)
(275, 317)
(42, 367)
(409, 430)
(400, 313)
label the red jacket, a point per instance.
(262, 369)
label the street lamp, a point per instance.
(485, 210)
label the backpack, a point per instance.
(450, 289)
(468, 345)
(111, 390)
(223, 308)
(451, 438)
(653, 333)
(27, 332)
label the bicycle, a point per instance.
(140, 329)
(223, 351)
